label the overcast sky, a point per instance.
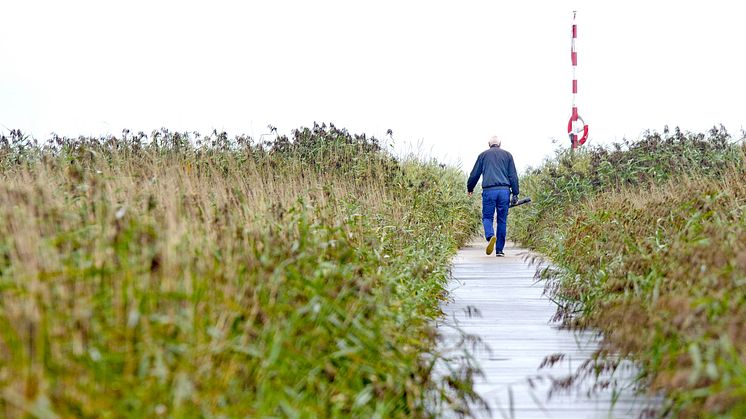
(444, 75)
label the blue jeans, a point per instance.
(495, 199)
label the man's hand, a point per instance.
(470, 193)
(513, 200)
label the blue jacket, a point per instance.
(497, 170)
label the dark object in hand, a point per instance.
(514, 203)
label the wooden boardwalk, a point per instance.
(498, 300)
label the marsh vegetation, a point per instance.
(649, 241)
(180, 275)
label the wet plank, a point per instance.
(498, 300)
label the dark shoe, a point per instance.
(500, 254)
(491, 245)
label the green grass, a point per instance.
(177, 275)
(649, 241)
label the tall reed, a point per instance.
(181, 275)
(649, 239)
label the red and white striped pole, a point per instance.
(576, 127)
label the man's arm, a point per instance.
(513, 177)
(475, 173)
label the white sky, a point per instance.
(444, 75)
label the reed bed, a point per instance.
(179, 275)
(649, 241)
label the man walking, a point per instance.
(499, 180)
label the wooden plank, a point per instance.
(513, 323)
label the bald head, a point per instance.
(494, 141)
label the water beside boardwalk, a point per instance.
(498, 300)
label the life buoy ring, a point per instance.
(578, 128)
